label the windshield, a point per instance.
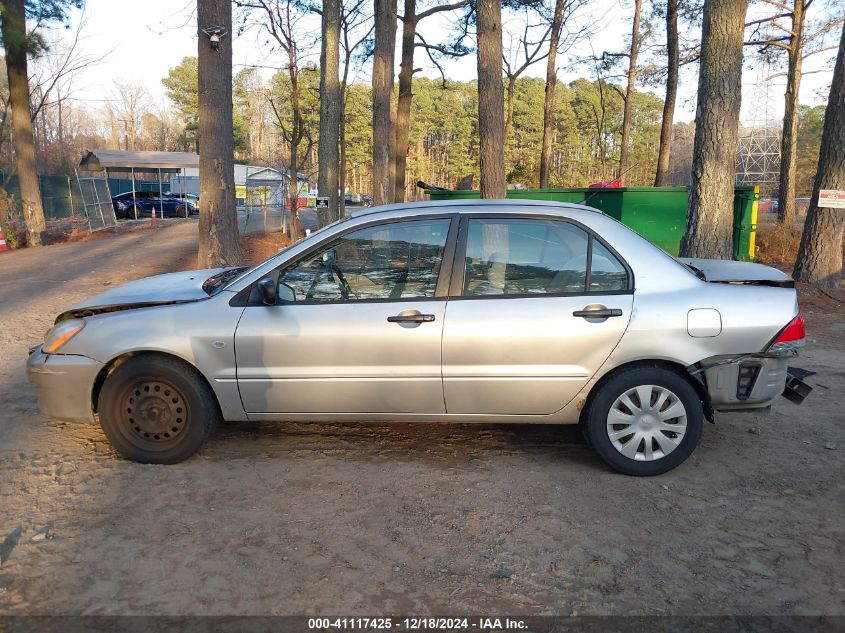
(232, 275)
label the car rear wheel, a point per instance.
(157, 410)
(645, 421)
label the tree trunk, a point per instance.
(629, 90)
(789, 134)
(219, 242)
(403, 111)
(60, 135)
(344, 84)
(491, 106)
(510, 95)
(819, 259)
(661, 179)
(383, 54)
(296, 135)
(710, 219)
(293, 188)
(341, 184)
(331, 107)
(549, 99)
(14, 41)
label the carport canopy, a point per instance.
(113, 161)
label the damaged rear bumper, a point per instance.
(751, 381)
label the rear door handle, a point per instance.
(411, 318)
(598, 314)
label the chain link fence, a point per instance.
(96, 201)
(65, 207)
(67, 210)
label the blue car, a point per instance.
(142, 204)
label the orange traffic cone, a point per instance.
(3, 245)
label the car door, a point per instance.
(144, 200)
(536, 306)
(357, 327)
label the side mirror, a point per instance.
(286, 293)
(330, 257)
(267, 288)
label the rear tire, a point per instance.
(157, 410)
(645, 438)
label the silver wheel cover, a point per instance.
(646, 423)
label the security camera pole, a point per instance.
(219, 242)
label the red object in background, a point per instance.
(607, 184)
(3, 245)
(301, 204)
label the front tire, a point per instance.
(645, 421)
(157, 410)
(182, 211)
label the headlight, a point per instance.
(61, 334)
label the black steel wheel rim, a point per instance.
(154, 411)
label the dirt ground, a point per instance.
(415, 519)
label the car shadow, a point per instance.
(432, 442)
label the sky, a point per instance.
(138, 42)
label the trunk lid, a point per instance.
(732, 272)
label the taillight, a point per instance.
(790, 338)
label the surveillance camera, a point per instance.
(215, 34)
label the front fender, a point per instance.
(199, 333)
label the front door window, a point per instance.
(399, 260)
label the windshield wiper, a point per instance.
(215, 282)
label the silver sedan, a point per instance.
(460, 311)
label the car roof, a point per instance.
(470, 206)
(648, 261)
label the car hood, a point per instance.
(727, 271)
(151, 291)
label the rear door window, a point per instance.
(523, 257)
(607, 274)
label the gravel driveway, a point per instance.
(418, 519)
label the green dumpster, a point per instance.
(657, 213)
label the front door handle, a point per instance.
(601, 313)
(411, 318)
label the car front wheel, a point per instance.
(157, 410)
(645, 421)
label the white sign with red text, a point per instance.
(831, 199)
